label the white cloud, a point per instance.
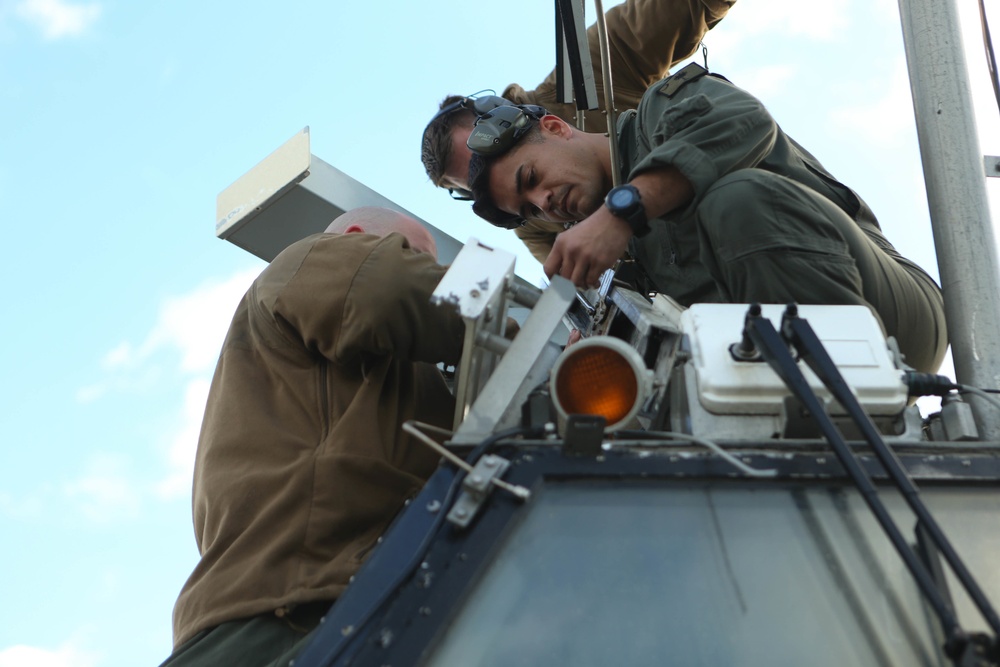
(58, 18)
(121, 357)
(768, 81)
(117, 357)
(104, 493)
(193, 325)
(887, 115)
(823, 21)
(90, 393)
(25, 508)
(67, 655)
(196, 323)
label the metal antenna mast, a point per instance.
(956, 196)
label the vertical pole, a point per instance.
(956, 195)
(609, 96)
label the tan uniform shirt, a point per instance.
(301, 462)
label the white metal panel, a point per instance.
(291, 194)
(851, 335)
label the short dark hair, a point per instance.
(479, 183)
(435, 150)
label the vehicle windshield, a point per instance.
(715, 574)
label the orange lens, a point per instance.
(597, 381)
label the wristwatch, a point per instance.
(625, 203)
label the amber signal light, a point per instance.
(600, 376)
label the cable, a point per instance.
(753, 472)
(985, 394)
(991, 61)
(487, 444)
(928, 384)
(519, 492)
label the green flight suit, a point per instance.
(645, 38)
(767, 222)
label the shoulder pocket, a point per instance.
(680, 116)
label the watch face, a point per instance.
(621, 198)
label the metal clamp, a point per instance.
(476, 489)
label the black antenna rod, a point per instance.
(775, 351)
(800, 334)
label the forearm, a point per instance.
(707, 130)
(588, 249)
(663, 190)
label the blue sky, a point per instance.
(123, 121)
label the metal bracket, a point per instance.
(476, 489)
(584, 435)
(476, 284)
(991, 163)
(524, 366)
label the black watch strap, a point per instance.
(625, 202)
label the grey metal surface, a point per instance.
(476, 284)
(956, 194)
(521, 369)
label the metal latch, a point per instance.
(476, 488)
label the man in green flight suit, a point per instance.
(717, 204)
(645, 37)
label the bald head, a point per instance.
(382, 222)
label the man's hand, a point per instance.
(584, 252)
